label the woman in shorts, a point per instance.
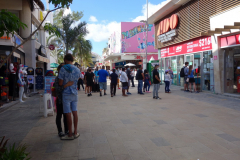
(191, 79)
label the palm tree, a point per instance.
(69, 34)
(82, 51)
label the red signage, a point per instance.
(197, 45)
(230, 40)
(166, 24)
(51, 47)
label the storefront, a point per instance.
(186, 32)
(8, 79)
(198, 53)
(230, 47)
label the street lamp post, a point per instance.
(146, 34)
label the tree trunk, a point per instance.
(66, 49)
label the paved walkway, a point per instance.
(181, 126)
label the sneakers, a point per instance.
(105, 94)
(148, 91)
(100, 94)
(67, 138)
(158, 98)
(154, 97)
(129, 93)
(141, 93)
(61, 134)
(89, 95)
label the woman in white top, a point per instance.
(124, 80)
(167, 81)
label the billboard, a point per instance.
(133, 38)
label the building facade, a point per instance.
(129, 46)
(191, 31)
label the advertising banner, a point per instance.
(197, 45)
(48, 81)
(133, 38)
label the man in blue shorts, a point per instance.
(70, 73)
(103, 74)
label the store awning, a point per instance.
(110, 57)
(43, 59)
(226, 28)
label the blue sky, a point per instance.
(104, 16)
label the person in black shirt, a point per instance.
(156, 81)
(114, 78)
(128, 72)
(89, 76)
(140, 78)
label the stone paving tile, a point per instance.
(160, 122)
(201, 115)
(159, 141)
(228, 137)
(100, 140)
(86, 153)
(83, 111)
(137, 113)
(54, 147)
(126, 121)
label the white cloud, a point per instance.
(93, 19)
(101, 32)
(151, 10)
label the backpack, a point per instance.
(182, 73)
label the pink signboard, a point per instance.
(197, 45)
(133, 38)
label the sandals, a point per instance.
(67, 138)
(76, 136)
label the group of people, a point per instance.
(69, 79)
(189, 80)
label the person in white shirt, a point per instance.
(118, 80)
(167, 79)
(124, 80)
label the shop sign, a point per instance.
(138, 57)
(167, 36)
(167, 24)
(51, 47)
(230, 40)
(6, 37)
(43, 59)
(16, 55)
(197, 45)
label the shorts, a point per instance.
(70, 102)
(185, 79)
(89, 83)
(103, 85)
(124, 85)
(191, 80)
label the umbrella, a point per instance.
(54, 65)
(130, 64)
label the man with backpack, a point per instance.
(184, 74)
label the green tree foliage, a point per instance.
(9, 23)
(82, 50)
(62, 3)
(58, 16)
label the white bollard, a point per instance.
(48, 108)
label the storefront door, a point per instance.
(207, 72)
(174, 69)
(232, 71)
(180, 64)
